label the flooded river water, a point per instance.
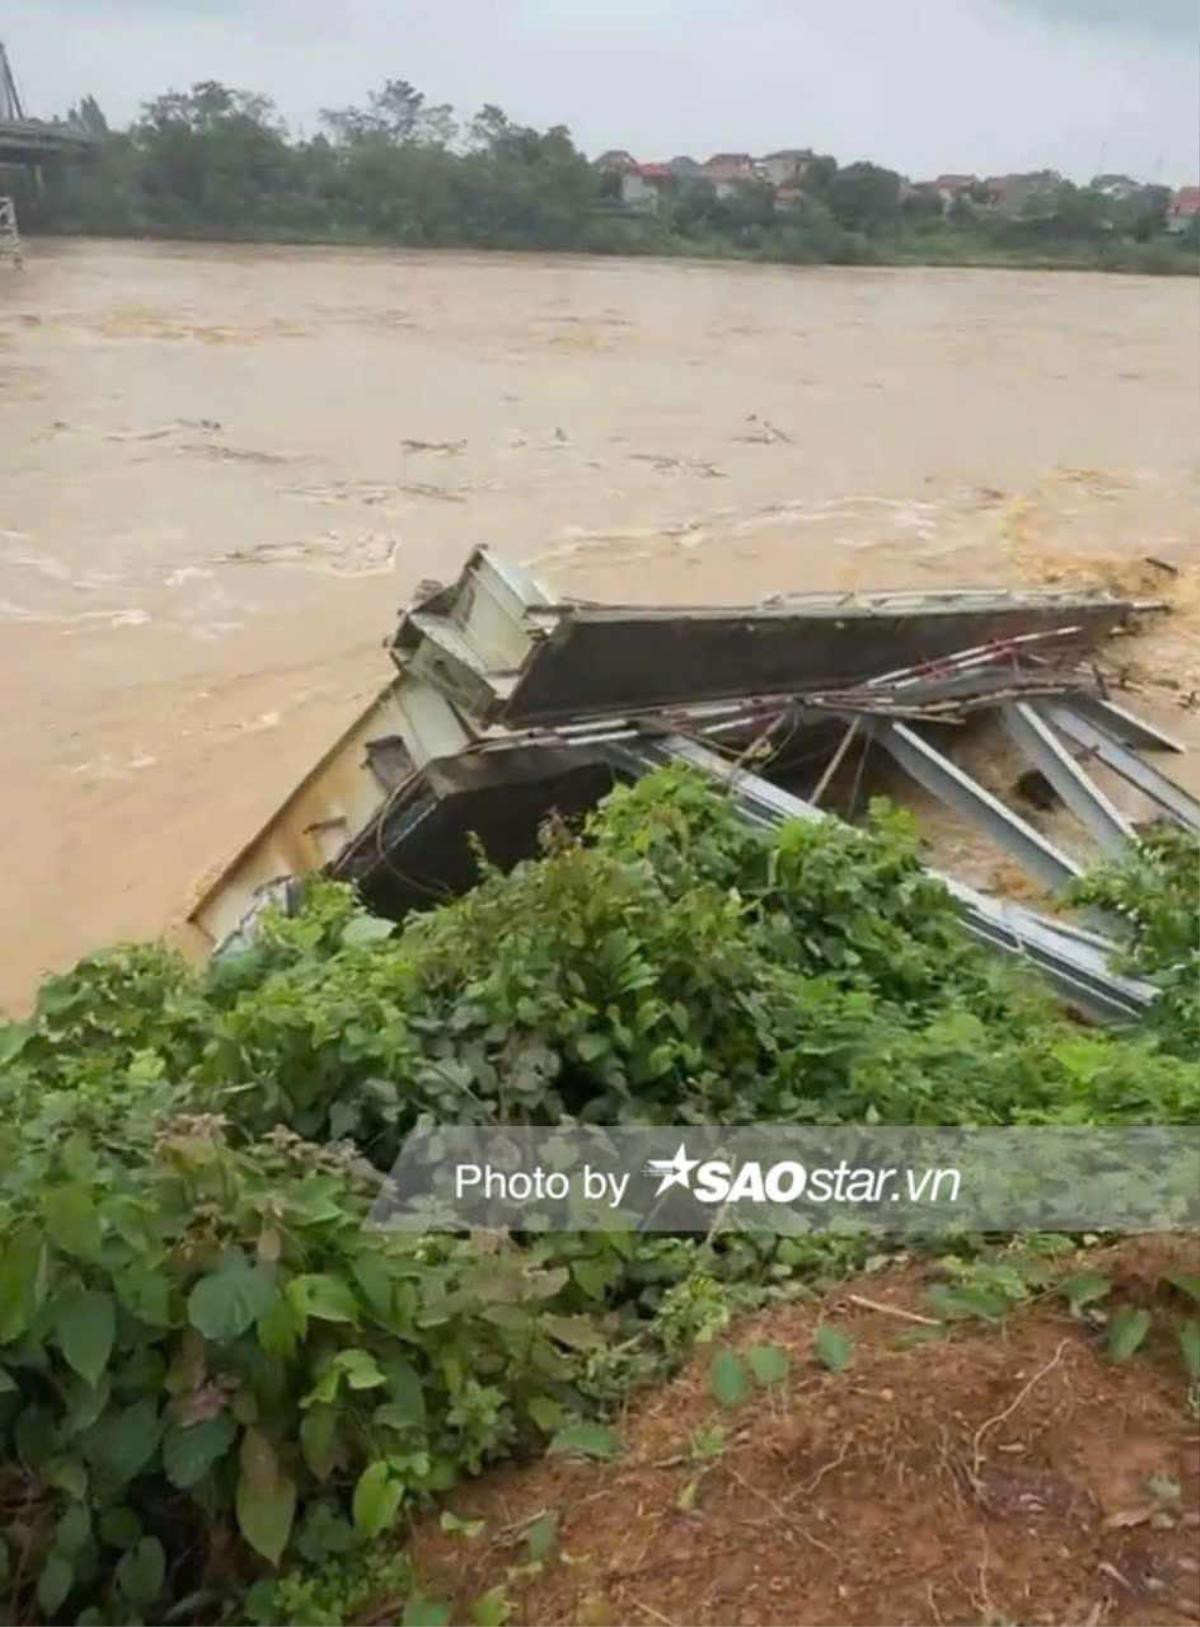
(223, 469)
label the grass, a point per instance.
(1160, 257)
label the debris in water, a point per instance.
(509, 705)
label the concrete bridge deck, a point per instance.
(35, 141)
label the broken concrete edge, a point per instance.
(340, 790)
(506, 651)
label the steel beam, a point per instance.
(953, 786)
(1073, 959)
(1034, 736)
(1171, 798)
(1123, 725)
(759, 800)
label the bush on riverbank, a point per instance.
(208, 1367)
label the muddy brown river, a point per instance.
(223, 469)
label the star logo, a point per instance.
(674, 1171)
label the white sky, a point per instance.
(920, 85)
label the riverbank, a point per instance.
(622, 237)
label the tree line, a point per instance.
(219, 162)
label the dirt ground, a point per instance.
(222, 470)
(1006, 1474)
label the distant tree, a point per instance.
(1144, 213)
(1110, 181)
(213, 155)
(694, 207)
(207, 106)
(1079, 211)
(1035, 196)
(922, 205)
(493, 132)
(969, 202)
(818, 175)
(864, 197)
(398, 114)
(752, 205)
(524, 186)
(490, 128)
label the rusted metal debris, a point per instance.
(508, 704)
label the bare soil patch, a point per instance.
(1002, 1474)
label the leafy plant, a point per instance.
(987, 1287)
(540, 1537)
(453, 1523)
(707, 1443)
(1154, 887)
(491, 1609)
(583, 1439)
(769, 1364)
(212, 1372)
(335, 1592)
(222, 1348)
(1087, 1288)
(421, 1611)
(1127, 1328)
(834, 1349)
(728, 1378)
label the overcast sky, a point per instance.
(921, 85)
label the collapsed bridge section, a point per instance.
(509, 705)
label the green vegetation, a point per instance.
(992, 1284)
(1156, 890)
(215, 162)
(213, 1379)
